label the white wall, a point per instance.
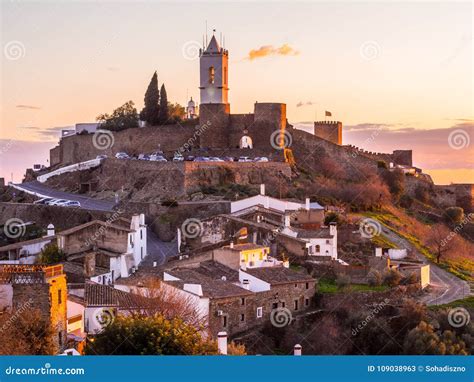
(71, 168)
(256, 285)
(75, 309)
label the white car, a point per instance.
(178, 158)
(144, 157)
(122, 155)
(43, 201)
(261, 159)
(215, 159)
(57, 202)
(157, 158)
(245, 159)
(101, 157)
(71, 203)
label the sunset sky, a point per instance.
(402, 70)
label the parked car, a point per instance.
(122, 155)
(56, 202)
(144, 157)
(229, 159)
(245, 159)
(157, 158)
(178, 157)
(215, 159)
(71, 203)
(261, 159)
(189, 158)
(42, 201)
(201, 159)
(103, 156)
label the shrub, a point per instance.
(342, 280)
(332, 217)
(51, 254)
(374, 278)
(392, 278)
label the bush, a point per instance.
(374, 278)
(382, 164)
(51, 254)
(342, 280)
(453, 215)
(406, 201)
(392, 278)
(332, 217)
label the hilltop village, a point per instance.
(261, 238)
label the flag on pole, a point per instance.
(328, 114)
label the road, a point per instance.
(158, 251)
(444, 286)
(41, 190)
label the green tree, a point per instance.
(151, 111)
(152, 335)
(176, 111)
(164, 111)
(395, 180)
(332, 217)
(122, 118)
(424, 340)
(51, 254)
(454, 215)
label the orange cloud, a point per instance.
(270, 50)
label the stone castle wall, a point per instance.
(329, 130)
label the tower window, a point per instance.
(211, 75)
(225, 76)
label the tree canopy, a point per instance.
(51, 254)
(123, 117)
(164, 110)
(151, 111)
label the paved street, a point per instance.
(445, 287)
(42, 190)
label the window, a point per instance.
(327, 241)
(141, 234)
(318, 249)
(296, 304)
(296, 285)
(60, 297)
(275, 305)
(283, 304)
(307, 285)
(242, 301)
(141, 253)
(211, 75)
(242, 317)
(306, 301)
(224, 321)
(225, 76)
(259, 312)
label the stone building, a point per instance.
(29, 287)
(329, 130)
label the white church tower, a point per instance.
(214, 64)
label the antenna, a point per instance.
(220, 38)
(206, 32)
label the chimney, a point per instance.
(307, 204)
(262, 189)
(378, 252)
(266, 203)
(231, 245)
(287, 221)
(333, 228)
(246, 284)
(155, 264)
(50, 230)
(222, 343)
(297, 349)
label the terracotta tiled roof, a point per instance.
(278, 275)
(104, 295)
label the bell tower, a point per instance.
(214, 64)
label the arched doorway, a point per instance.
(246, 142)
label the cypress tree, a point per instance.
(151, 110)
(164, 110)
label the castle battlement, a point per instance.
(329, 130)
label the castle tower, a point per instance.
(329, 130)
(214, 64)
(191, 110)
